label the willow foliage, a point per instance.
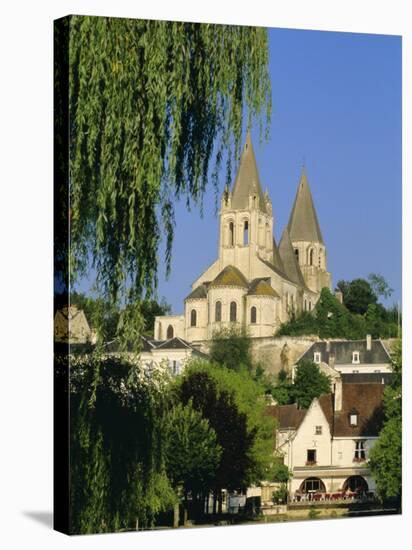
(118, 474)
(155, 107)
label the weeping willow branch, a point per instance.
(154, 108)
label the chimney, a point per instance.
(337, 394)
(332, 360)
(368, 342)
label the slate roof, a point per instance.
(174, 343)
(199, 293)
(230, 276)
(289, 259)
(303, 222)
(367, 377)
(261, 287)
(343, 350)
(366, 400)
(288, 416)
(149, 344)
(275, 269)
(247, 181)
(277, 260)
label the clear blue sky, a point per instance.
(336, 105)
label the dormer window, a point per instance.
(355, 358)
(317, 357)
(353, 418)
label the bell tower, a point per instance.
(306, 238)
(246, 221)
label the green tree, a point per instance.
(154, 107)
(357, 295)
(386, 456)
(235, 406)
(232, 347)
(192, 451)
(309, 383)
(117, 452)
(379, 285)
(282, 392)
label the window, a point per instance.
(218, 311)
(231, 234)
(170, 332)
(317, 357)
(297, 254)
(311, 457)
(233, 308)
(174, 367)
(193, 316)
(353, 419)
(320, 258)
(318, 430)
(312, 485)
(355, 357)
(305, 306)
(360, 451)
(311, 256)
(253, 315)
(246, 233)
(310, 305)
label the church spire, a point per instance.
(289, 259)
(247, 182)
(303, 222)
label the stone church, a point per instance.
(254, 283)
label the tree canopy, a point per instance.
(309, 382)
(155, 106)
(331, 319)
(386, 456)
(232, 347)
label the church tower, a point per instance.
(246, 221)
(306, 237)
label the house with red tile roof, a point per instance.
(327, 446)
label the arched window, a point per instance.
(320, 258)
(311, 256)
(218, 311)
(305, 307)
(312, 485)
(170, 332)
(253, 315)
(246, 233)
(231, 234)
(310, 305)
(233, 312)
(356, 484)
(193, 316)
(297, 254)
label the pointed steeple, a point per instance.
(277, 260)
(303, 222)
(289, 259)
(247, 181)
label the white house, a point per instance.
(172, 354)
(355, 360)
(326, 447)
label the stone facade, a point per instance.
(254, 283)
